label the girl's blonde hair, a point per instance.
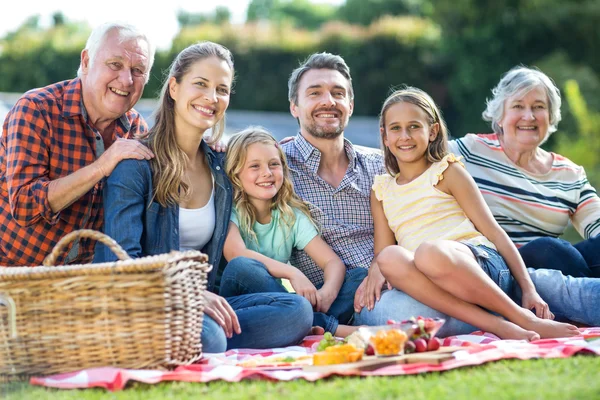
(169, 162)
(286, 200)
(408, 94)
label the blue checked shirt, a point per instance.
(343, 213)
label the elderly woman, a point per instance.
(533, 193)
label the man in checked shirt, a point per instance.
(59, 143)
(330, 173)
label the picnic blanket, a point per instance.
(477, 348)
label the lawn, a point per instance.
(562, 379)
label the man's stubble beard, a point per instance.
(319, 132)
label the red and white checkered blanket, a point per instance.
(479, 348)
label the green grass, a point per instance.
(561, 379)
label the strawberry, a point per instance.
(429, 325)
(370, 351)
(420, 345)
(434, 344)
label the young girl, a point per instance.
(268, 221)
(435, 238)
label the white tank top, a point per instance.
(196, 225)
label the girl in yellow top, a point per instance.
(435, 238)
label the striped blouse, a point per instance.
(526, 205)
(417, 211)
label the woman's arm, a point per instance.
(458, 183)
(125, 196)
(334, 270)
(586, 218)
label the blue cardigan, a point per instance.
(143, 227)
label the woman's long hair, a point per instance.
(286, 200)
(168, 164)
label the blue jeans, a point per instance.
(577, 299)
(580, 260)
(267, 320)
(243, 276)
(492, 263)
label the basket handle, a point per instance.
(7, 301)
(50, 260)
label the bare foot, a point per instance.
(317, 330)
(345, 330)
(550, 329)
(507, 330)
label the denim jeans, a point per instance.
(267, 320)
(580, 260)
(577, 299)
(492, 263)
(243, 277)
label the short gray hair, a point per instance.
(318, 61)
(518, 82)
(126, 32)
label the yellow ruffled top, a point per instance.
(417, 211)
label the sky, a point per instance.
(158, 19)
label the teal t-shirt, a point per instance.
(274, 240)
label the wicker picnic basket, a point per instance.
(134, 313)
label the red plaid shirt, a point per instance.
(46, 136)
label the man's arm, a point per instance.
(63, 192)
(32, 195)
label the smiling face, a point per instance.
(407, 133)
(202, 96)
(114, 80)
(526, 120)
(262, 174)
(324, 103)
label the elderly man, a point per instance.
(60, 142)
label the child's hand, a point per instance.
(304, 287)
(219, 147)
(326, 299)
(531, 300)
(373, 285)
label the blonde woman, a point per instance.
(181, 199)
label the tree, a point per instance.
(366, 11)
(221, 15)
(299, 13)
(585, 149)
(261, 10)
(58, 19)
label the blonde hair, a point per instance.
(169, 162)
(286, 200)
(412, 95)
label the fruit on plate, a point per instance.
(388, 342)
(422, 344)
(433, 344)
(327, 341)
(338, 354)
